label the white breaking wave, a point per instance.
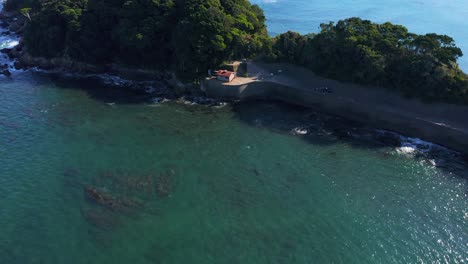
(299, 131)
(432, 154)
(8, 43)
(8, 40)
(406, 150)
(411, 145)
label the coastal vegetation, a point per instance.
(191, 36)
(187, 36)
(386, 55)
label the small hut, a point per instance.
(226, 76)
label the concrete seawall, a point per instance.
(444, 124)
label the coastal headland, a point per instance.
(441, 123)
(435, 75)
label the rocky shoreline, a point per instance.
(162, 85)
(441, 123)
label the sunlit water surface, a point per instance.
(245, 183)
(250, 183)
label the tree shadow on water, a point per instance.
(104, 88)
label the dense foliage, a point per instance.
(12, 5)
(387, 55)
(190, 35)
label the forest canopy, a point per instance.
(387, 55)
(188, 35)
(191, 36)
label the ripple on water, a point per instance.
(243, 187)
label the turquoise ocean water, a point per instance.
(447, 17)
(93, 173)
(249, 183)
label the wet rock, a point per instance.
(340, 128)
(6, 72)
(19, 65)
(341, 132)
(61, 63)
(202, 100)
(389, 139)
(16, 52)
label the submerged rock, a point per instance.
(106, 200)
(165, 182)
(131, 184)
(101, 197)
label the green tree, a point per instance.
(386, 55)
(188, 35)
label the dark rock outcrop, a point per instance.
(6, 72)
(108, 201)
(390, 139)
